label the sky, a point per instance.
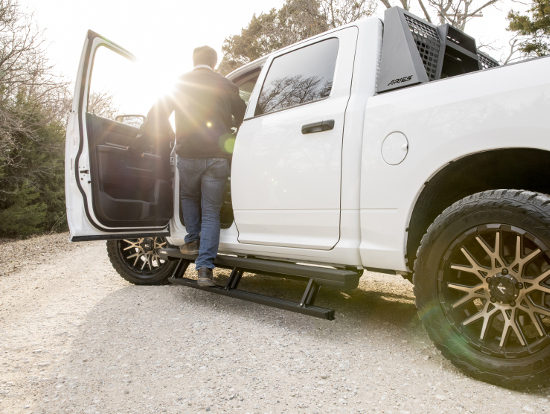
(163, 33)
(164, 30)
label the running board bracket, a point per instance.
(305, 306)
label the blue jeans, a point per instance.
(202, 188)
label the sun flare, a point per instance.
(130, 87)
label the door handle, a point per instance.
(318, 127)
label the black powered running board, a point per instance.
(326, 276)
(315, 276)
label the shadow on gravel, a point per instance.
(372, 300)
(380, 303)
(175, 337)
(138, 336)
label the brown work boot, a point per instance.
(191, 248)
(206, 278)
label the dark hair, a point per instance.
(205, 55)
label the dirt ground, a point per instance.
(77, 338)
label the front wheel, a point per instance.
(482, 286)
(138, 261)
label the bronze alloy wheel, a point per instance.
(493, 289)
(138, 261)
(141, 255)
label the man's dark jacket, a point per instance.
(206, 106)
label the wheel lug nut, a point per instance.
(493, 300)
(513, 303)
(488, 278)
(519, 285)
(504, 271)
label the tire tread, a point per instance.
(529, 203)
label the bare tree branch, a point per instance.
(479, 9)
(426, 14)
(513, 51)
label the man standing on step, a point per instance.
(206, 106)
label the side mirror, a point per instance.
(131, 119)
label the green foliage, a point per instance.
(25, 213)
(31, 183)
(296, 20)
(533, 27)
(33, 105)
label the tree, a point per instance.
(23, 69)
(32, 118)
(101, 104)
(299, 19)
(296, 20)
(339, 12)
(455, 12)
(31, 185)
(533, 29)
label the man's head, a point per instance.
(205, 55)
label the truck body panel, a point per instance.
(443, 121)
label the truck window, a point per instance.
(298, 77)
(113, 89)
(246, 84)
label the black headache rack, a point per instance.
(415, 51)
(315, 276)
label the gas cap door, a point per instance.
(395, 148)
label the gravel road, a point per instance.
(77, 338)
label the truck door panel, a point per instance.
(130, 183)
(286, 184)
(115, 184)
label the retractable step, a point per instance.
(315, 276)
(305, 305)
(340, 278)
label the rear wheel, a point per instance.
(138, 261)
(482, 285)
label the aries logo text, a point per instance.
(400, 80)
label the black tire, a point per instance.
(137, 261)
(482, 286)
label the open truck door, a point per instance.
(114, 188)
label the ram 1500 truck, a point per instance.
(393, 146)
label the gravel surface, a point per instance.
(77, 338)
(34, 251)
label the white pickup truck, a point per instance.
(393, 146)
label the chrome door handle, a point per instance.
(318, 127)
